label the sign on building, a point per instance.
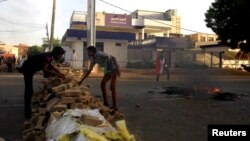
(118, 20)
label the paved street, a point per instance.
(149, 116)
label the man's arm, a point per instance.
(92, 64)
(53, 68)
(85, 76)
(52, 71)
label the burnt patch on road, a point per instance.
(227, 96)
(173, 91)
(191, 93)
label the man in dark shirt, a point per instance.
(30, 67)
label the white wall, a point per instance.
(151, 15)
(78, 47)
(14, 50)
(120, 52)
(158, 23)
(67, 54)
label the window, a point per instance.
(210, 38)
(118, 44)
(203, 39)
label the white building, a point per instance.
(116, 34)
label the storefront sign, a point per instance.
(118, 20)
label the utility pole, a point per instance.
(52, 26)
(47, 32)
(91, 27)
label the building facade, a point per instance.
(117, 33)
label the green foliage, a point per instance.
(229, 19)
(56, 42)
(34, 50)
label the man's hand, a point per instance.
(85, 76)
(80, 82)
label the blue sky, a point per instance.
(24, 20)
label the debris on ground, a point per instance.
(63, 110)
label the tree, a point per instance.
(56, 42)
(34, 50)
(229, 19)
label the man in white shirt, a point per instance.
(73, 59)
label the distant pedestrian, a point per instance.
(161, 66)
(73, 59)
(9, 63)
(14, 64)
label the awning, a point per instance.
(81, 34)
(162, 43)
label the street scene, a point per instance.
(149, 116)
(97, 70)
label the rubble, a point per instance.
(66, 111)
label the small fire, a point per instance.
(209, 90)
(215, 90)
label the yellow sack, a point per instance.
(114, 136)
(91, 135)
(64, 137)
(122, 129)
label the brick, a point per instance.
(71, 84)
(35, 102)
(51, 103)
(39, 124)
(109, 118)
(85, 101)
(78, 100)
(59, 108)
(47, 96)
(72, 106)
(63, 87)
(79, 105)
(90, 120)
(42, 111)
(27, 130)
(86, 92)
(105, 113)
(87, 97)
(67, 100)
(85, 88)
(57, 89)
(59, 94)
(73, 92)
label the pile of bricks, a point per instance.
(74, 74)
(58, 95)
